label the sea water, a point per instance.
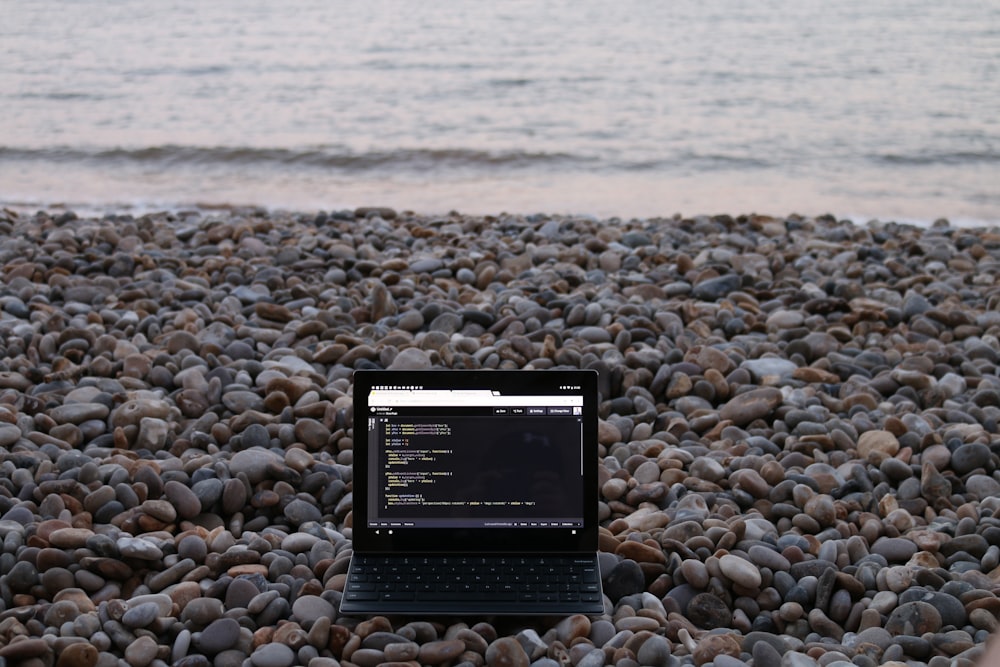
(629, 108)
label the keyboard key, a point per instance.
(361, 586)
(361, 595)
(398, 596)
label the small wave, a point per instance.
(62, 95)
(310, 158)
(699, 162)
(399, 160)
(947, 158)
(511, 83)
(198, 70)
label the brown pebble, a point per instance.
(476, 643)
(750, 405)
(980, 599)
(45, 529)
(934, 487)
(234, 496)
(984, 620)
(441, 651)
(161, 510)
(109, 568)
(712, 646)
(821, 508)
(873, 446)
(181, 594)
(81, 654)
(637, 624)
(751, 481)
(402, 652)
(247, 569)
(640, 552)
(291, 635)
(372, 625)
(142, 651)
(572, 628)
(24, 649)
(339, 637)
(81, 601)
(70, 538)
(49, 558)
(822, 624)
(506, 652)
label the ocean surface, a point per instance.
(862, 109)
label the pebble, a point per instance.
(625, 579)
(769, 558)
(218, 636)
(876, 445)
(193, 547)
(272, 655)
(70, 538)
(894, 549)
(506, 652)
(741, 572)
(748, 406)
(913, 618)
(183, 499)
(141, 615)
(79, 654)
(240, 592)
(708, 611)
(654, 651)
(141, 652)
(711, 647)
(310, 608)
(254, 463)
(969, 457)
(796, 439)
(411, 358)
(132, 547)
(300, 511)
(442, 651)
(202, 611)
(25, 649)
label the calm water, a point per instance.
(858, 108)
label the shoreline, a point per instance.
(604, 198)
(797, 435)
(148, 209)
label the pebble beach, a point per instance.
(799, 440)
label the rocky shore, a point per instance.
(799, 448)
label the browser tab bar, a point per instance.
(393, 397)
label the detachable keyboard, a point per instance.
(562, 584)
